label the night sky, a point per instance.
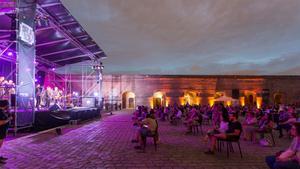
(198, 37)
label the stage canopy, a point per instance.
(60, 39)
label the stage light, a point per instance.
(53, 69)
(96, 94)
(24, 94)
(75, 93)
(28, 69)
(9, 53)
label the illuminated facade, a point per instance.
(152, 90)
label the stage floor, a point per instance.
(106, 143)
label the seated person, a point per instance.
(233, 132)
(175, 116)
(286, 124)
(148, 127)
(290, 158)
(265, 125)
(191, 120)
(222, 128)
(249, 126)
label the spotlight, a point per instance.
(9, 53)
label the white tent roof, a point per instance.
(225, 99)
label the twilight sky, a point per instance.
(199, 37)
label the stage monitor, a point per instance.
(88, 102)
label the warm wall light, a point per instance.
(258, 102)
(167, 102)
(228, 103)
(242, 101)
(198, 100)
(151, 102)
(130, 95)
(211, 101)
(181, 100)
(158, 95)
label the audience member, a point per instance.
(290, 158)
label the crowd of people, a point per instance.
(230, 122)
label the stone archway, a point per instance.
(250, 98)
(158, 99)
(190, 98)
(277, 98)
(128, 100)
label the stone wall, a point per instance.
(199, 89)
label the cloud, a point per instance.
(194, 36)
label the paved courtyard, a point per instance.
(106, 143)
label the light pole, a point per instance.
(99, 76)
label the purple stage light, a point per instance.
(53, 69)
(9, 53)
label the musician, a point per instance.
(48, 97)
(2, 88)
(56, 95)
(38, 93)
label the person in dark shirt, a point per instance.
(233, 132)
(4, 124)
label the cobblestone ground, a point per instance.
(106, 143)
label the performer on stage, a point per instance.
(48, 97)
(56, 95)
(38, 93)
(5, 118)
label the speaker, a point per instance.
(13, 100)
(235, 93)
(54, 107)
(58, 131)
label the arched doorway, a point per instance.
(158, 99)
(190, 98)
(128, 100)
(251, 99)
(277, 99)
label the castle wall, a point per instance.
(202, 89)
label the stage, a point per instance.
(46, 119)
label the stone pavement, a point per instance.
(106, 143)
